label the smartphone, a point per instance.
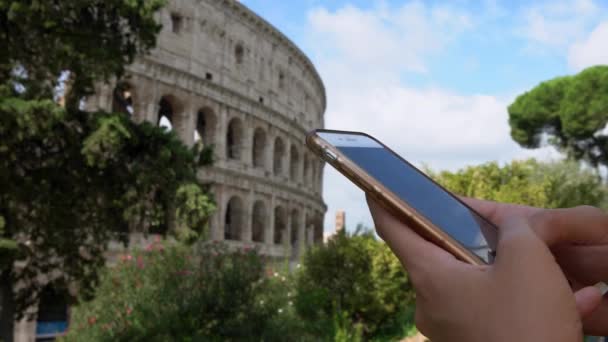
(428, 208)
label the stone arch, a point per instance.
(234, 139)
(206, 123)
(294, 163)
(122, 98)
(168, 111)
(233, 219)
(259, 221)
(259, 148)
(295, 236)
(278, 156)
(280, 225)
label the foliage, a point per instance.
(73, 180)
(572, 111)
(177, 293)
(94, 40)
(548, 185)
(353, 283)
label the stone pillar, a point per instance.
(287, 235)
(301, 233)
(269, 230)
(220, 137)
(189, 123)
(218, 232)
(246, 233)
(247, 142)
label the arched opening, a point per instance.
(259, 148)
(234, 138)
(295, 236)
(166, 113)
(279, 156)
(233, 219)
(205, 126)
(294, 164)
(239, 53)
(280, 225)
(52, 318)
(122, 98)
(258, 222)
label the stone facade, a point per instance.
(222, 75)
(225, 76)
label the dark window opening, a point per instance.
(239, 53)
(261, 100)
(176, 22)
(165, 114)
(209, 76)
(52, 318)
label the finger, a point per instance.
(580, 225)
(517, 243)
(499, 213)
(588, 299)
(586, 264)
(596, 323)
(413, 251)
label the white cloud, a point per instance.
(556, 24)
(362, 55)
(591, 50)
(400, 38)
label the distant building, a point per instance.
(340, 220)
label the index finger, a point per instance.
(411, 249)
(499, 213)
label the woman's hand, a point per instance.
(523, 296)
(579, 240)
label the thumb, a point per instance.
(587, 300)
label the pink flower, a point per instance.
(129, 310)
(140, 262)
(157, 238)
(92, 320)
(184, 272)
(150, 247)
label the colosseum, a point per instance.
(221, 75)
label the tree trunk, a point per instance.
(7, 319)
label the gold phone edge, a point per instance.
(389, 200)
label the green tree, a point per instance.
(72, 180)
(353, 283)
(570, 111)
(548, 185)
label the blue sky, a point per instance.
(432, 79)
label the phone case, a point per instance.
(387, 198)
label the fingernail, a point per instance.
(603, 287)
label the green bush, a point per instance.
(177, 293)
(353, 286)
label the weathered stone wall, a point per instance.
(242, 86)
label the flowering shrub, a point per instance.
(178, 293)
(354, 287)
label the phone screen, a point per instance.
(431, 201)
